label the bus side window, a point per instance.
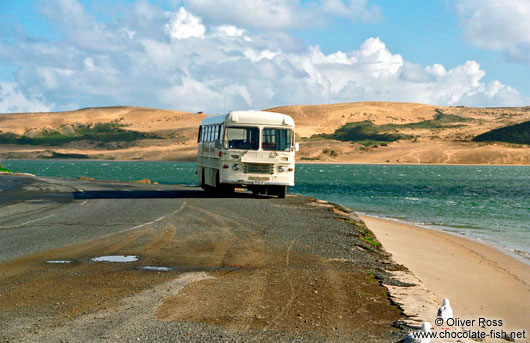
(199, 135)
(220, 132)
(209, 133)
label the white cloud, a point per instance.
(89, 63)
(353, 9)
(230, 31)
(163, 65)
(377, 59)
(497, 25)
(254, 55)
(262, 14)
(12, 100)
(184, 25)
(275, 15)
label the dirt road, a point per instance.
(241, 268)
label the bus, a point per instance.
(247, 149)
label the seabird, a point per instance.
(417, 337)
(445, 311)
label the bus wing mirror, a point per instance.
(296, 147)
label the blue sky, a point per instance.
(212, 56)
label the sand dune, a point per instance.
(177, 133)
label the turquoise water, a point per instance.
(488, 203)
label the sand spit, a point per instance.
(480, 280)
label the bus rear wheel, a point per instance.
(207, 188)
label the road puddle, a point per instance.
(59, 261)
(156, 269)
(115, 258)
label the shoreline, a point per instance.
(297, 162)
(522, 256)
(415, 164)
(480, 280)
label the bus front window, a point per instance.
(277, 139)
(245, 138)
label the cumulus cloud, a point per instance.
(230, 31)
(182, 61)
(12, 100)
(261, 14)
(497, 25)
(184, 25)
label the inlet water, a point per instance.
(488, 203)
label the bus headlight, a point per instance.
(281, 169)
(235, 167)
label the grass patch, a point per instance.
(8, 138)
(5, 170)
(100, 133)
(364, 131)
(58, 155)
(330, 152)
(368, 237)
(518, 134)
(441, 120)
(371, 135)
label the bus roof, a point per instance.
(250, 117)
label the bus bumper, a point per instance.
(259, 180)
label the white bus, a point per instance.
(247, 149)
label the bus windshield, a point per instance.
(276, 139)
(246, 138)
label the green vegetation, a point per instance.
(4, 170)
(369, 238)
(441, 120)
(100, 133)
(59, 155)
(331, 152)
(369, 134)
(364, 131)
(518, 133)
(8, 138)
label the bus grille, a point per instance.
(258, 168)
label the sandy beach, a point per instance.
(480, 280)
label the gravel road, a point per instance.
(233, 269)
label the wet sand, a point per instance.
(480, 280)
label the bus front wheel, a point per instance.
(280, 191)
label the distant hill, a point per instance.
(117, 132)
(518, 133)
(358, 132)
